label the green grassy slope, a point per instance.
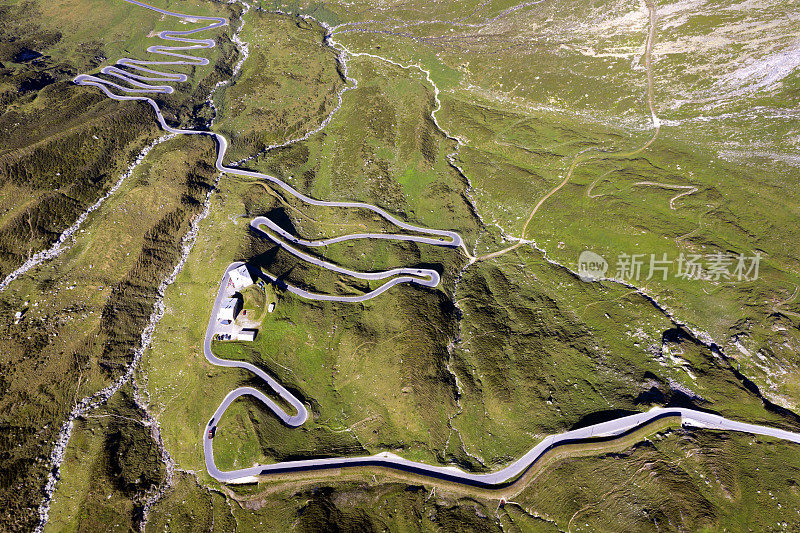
(675, 480)
(63, 146)
(84, 312)
(529, 90)
(515, 347)
(699, 481)
(112, 465)
(287, 87)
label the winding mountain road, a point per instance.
(499, 478)
(420, 276)
(505, 475)
(130, 72)
(290, 420)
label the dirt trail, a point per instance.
(580, 158)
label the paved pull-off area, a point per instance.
(141, 83)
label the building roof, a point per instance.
(246, 335)
(228, 308)
(240, 277)
(229, 302)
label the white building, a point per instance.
(246, 335)
(240, 277)
(228, 309)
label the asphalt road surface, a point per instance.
(505, 475)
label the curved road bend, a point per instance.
(290, 420)
(689, 417)
(420, 276)
(140, 84)
(501, 477)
